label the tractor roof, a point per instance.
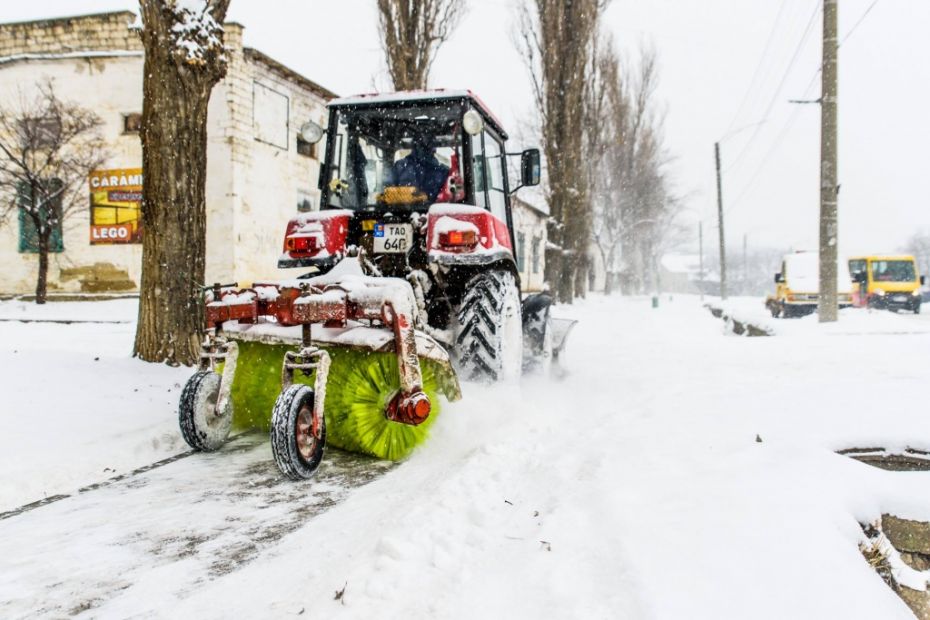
(418, 96)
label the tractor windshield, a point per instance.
(390, 156)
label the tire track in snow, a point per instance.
(173, 526)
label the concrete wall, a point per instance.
(253, 188)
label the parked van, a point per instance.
(886, 281)
(797, 285)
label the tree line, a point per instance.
(600, 127)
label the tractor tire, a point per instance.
(489, 331)
(297, 451)
(202, 427)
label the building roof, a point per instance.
(531, 205)
(105, 46)
(288, 73)
(52, 21)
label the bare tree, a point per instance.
(411, 33)
(635, 208)
(557, 40)
(47, 148)
(184, 58)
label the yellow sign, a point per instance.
(115, 206)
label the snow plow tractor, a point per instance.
(411, 283)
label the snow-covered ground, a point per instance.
(635, 487)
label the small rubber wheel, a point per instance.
(202, 427)
(297, 438)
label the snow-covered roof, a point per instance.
(532, 200)
(437, 94)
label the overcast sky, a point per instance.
(722, 64)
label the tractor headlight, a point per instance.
(879, 292)
(472, 122)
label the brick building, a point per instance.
(259, 172)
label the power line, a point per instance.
(781, 84)
(793, 118)
(861, 19)
(755, 73)
(782, 133)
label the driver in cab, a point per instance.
(420, 168)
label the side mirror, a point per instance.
(860, 277)
(778, 278)
(923, 280)
(530, 168)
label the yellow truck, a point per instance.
(797, 286)
(888, 281)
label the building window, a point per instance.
(521, 244)
(537, 241)
(270, 116)
(304, 203)
(28, 236)
(307, 149)
(132, 123)
(40, 133)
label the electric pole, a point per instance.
(827, 304)
(701, 258)
(723, 252)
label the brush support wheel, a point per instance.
(202, 426)
(297, 435)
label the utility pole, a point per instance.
(827, 304)
(723, 252)
(701, 258)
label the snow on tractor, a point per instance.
(412, 283)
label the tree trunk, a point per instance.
(174, 160)
(42, 279)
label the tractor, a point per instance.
(410, 284)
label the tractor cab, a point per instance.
(390, 161)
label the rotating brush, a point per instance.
(359, 385)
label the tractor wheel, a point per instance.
(489, 334)
(202, 427)
(297, 439)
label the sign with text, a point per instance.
(115, 206)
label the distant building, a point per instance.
(529, 223)
(259, 172)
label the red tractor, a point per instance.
(416, 195)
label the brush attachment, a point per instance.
(360, 385)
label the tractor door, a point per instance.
(488, 171)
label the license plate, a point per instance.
(393, 238)
(900, 298)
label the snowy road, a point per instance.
(185, 523)
(676, 472)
